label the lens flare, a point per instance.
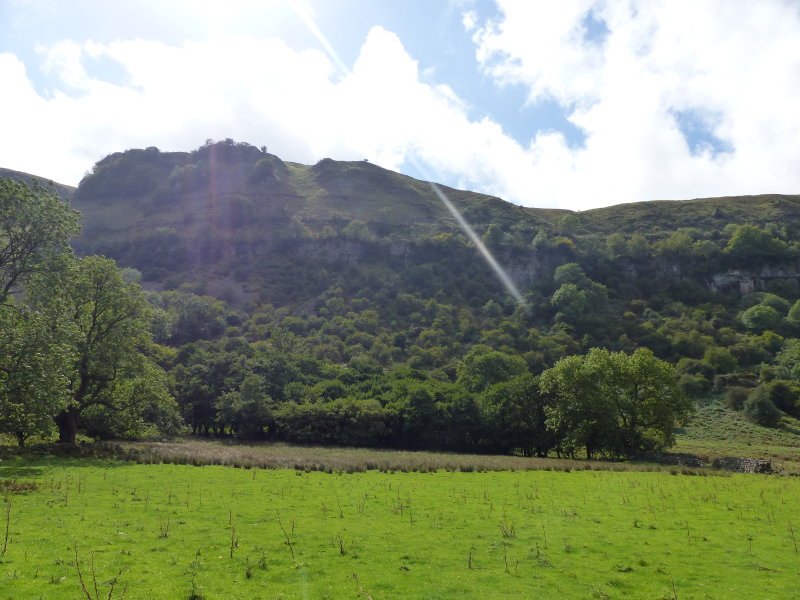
(499, 271)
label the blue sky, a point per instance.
(576, 104)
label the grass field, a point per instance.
(717, 431)
(181, 532)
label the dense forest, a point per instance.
(342, 303)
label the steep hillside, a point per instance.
(65, 191)
(231, 216)
(344, 293)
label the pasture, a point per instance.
(189, 532)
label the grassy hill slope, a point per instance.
(65, 191)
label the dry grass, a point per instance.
(351, 460)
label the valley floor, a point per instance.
(180, 531)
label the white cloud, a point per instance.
(733, 65)
(734, 62)
(470, 20)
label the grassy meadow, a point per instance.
(184, 532)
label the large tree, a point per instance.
(580, 415)
(35, 227)
(35, 356)
(615, 402)
(110, 373)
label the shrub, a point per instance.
(694, 385)
(761, 318)
(721, 359)
(736, 397)
(784, 394)
(760, 409)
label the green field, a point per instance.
(528, 534)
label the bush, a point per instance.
(784, 395)
(736, 397)
(761, 318)
(760, 409)
(694, 385)
(721, 359)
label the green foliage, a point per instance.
(357, 230)
(736, 397)
(110, 323)
(35, 357)
(615, 403)
(751, 243)
(761, 318)
(784, 395)
(721, 359)
(35, 227)
(760, 409)
(794, 312)
(323, 320)
(789, 358)
(483, 367)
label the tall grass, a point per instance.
(351, 460)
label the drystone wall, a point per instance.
(738, 464)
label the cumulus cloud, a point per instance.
(731, 67)
(630, 75)
(259, 91)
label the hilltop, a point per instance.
(65, 191)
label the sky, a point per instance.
(572, 104)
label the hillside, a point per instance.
(65, 191)
(231, 217)
(339, 285)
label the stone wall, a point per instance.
(738, 464)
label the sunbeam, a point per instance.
(499, 271)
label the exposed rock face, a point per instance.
(751, 281)
(738, 464)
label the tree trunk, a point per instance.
(67, 423)
(21, 437)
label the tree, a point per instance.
(249, 410)
(751, 244)
(760, 409)
(357, 230)
(789, 358)
(482, 367)
(721, 359)
(784, 395)
(111, 322)
(580, 415)
(194, 317)
(493, 236)
(761, 318)
(639, 247)
(615, 402)
(514, 418)
(571, 273)
(34, 360)
(570, 301)
(35, 227)
(644, 393)
(616, 245)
